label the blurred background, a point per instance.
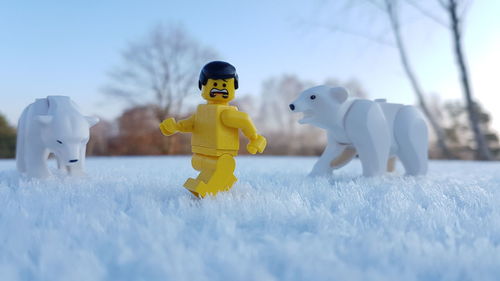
(133, 63)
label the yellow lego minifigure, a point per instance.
(215, 131)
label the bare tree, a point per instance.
(451, 7)
(138, 134)
(162, 70)
(455, 11)
(277, 93)
(391, 9)
(100, 134)
(275, 117)
(459, 133)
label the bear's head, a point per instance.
(319, 105)
(66, 136)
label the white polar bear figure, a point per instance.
(377, 131)
(52, 125)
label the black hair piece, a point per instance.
(218, 70)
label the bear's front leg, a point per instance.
(36, 162)
(367, 128)
(331, 152)
(60, 165)
(76, 170)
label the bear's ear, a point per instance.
(340, 94)
(91, 120)
(44, 119)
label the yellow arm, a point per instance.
(241, 120)
(169, 126)
(186, 125)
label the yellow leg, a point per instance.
(216, 174)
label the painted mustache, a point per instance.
(214, 92)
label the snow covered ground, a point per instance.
(132, 220)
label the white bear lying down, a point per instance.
(52, 125)
(375, 130)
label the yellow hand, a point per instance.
(257, 144)
(169, 127)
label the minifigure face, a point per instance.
(218, 90)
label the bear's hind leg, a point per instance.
(410, 131)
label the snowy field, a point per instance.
(132, 220)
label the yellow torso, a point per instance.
(210, 135)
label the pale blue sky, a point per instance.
(67, 47)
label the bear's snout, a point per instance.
(292, 106)
(73, 161)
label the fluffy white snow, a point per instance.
(132, 220)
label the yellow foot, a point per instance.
(231, 181)
(201, 189)
(191, 185)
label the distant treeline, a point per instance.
(136, 131)
(7, 139)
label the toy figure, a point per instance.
(215, 131)
(52, 125)
(377, 131)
